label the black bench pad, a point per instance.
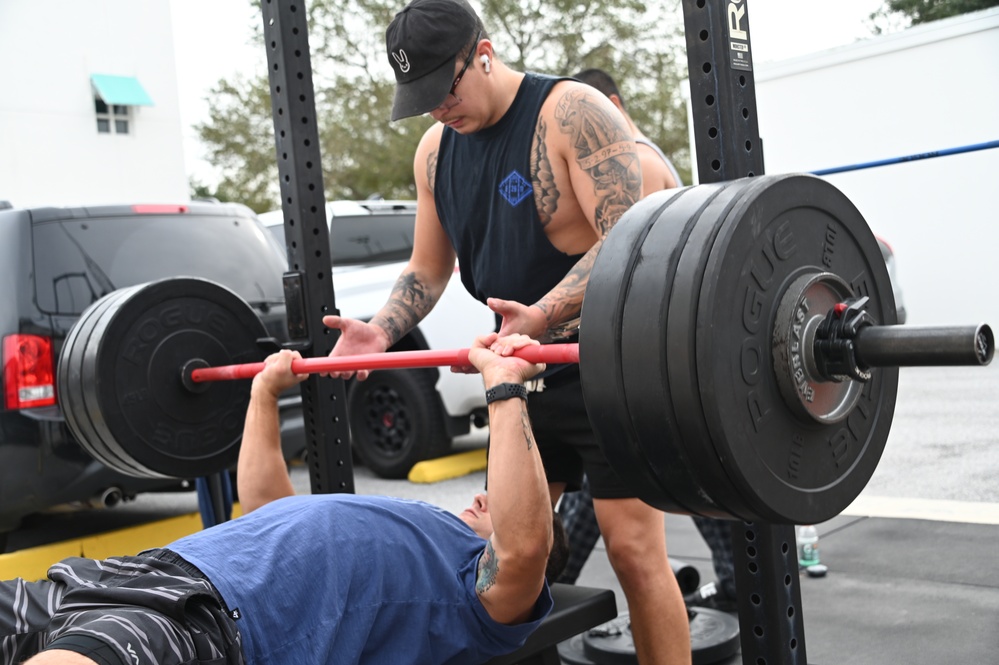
(576, 609)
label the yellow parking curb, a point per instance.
(33, 563)
(445, 468)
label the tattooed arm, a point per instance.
(422, 281)
(511, 568)
(584, 147)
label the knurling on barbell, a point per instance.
(737, 352)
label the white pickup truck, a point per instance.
(399, 417)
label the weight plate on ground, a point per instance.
(134, 360)
(714, 636)
(787, 470)
(570, 652)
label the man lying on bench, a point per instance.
(333, 578)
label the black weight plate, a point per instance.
(714, 636)
(789, 470)
(644, 362)
(682, 335)
(74, 388)
(611, 643)
(147, 410)
(93, 377)
(570, 652)
(68, 380)
(600, 366)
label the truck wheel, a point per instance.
(396, 420)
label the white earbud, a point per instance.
(485, 62)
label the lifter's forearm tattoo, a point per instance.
(525, 424)
(606, 151)
(488, 567)
(564, 304)
(409, 302)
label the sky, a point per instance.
(212, 40)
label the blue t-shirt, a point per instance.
(341, 579)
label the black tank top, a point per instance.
(486, 204)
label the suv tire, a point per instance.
(396, 421)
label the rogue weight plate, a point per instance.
(645, 364)
(682, 335)
(130, 374)
(74, 389)
(788, 469)
(600, 366)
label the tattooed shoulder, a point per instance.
(601, 146)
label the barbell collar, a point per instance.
(555, 354)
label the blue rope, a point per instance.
(910, 158)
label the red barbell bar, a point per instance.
(546, 353)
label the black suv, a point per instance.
(57, 261)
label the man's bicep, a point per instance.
(506, 591)
(602, 157)
(433, 255)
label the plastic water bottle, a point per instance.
(808, 546)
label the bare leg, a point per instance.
(635, 535)
(59, 657)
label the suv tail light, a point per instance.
(28, 372)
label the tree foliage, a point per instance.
(901, 13)
(640, 42)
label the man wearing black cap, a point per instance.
(520, 180)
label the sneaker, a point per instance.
(711, 597)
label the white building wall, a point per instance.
(929, 88)
(50, 150)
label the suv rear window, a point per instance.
(364, 240)
(372, 239)
(79, 260)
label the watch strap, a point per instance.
(505, 391)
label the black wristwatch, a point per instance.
(506, 391)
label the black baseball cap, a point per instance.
(423, 41)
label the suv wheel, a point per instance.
(396, 421)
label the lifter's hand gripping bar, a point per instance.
(545, 353)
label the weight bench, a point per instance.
(576, 609)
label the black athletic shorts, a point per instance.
(153, 608)
(566, 440)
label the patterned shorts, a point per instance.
(155, 609)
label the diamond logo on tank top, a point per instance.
(515, 188)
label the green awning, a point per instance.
(120, 90)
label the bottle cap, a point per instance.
(818, 570)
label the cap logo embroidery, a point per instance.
(403, 61)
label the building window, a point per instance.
(111, 119)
